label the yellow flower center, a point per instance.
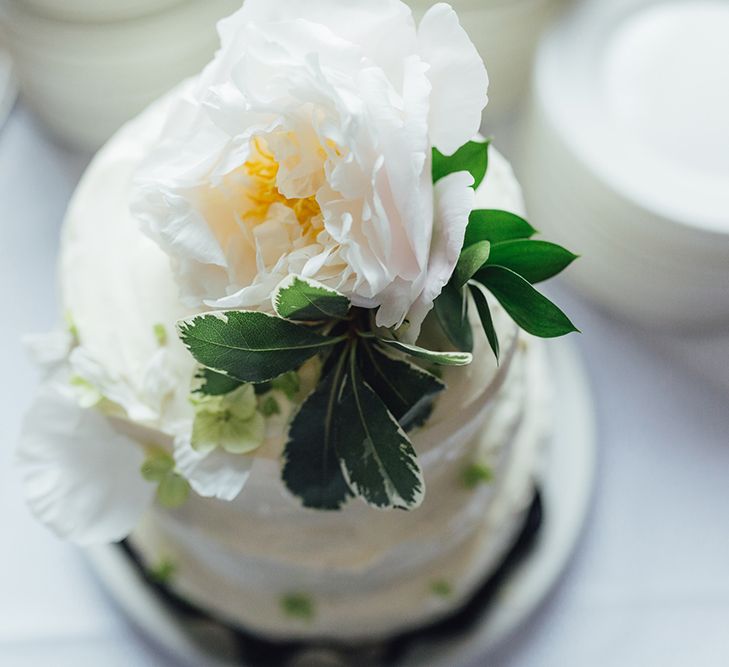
(262, 171)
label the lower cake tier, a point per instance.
(317, 578)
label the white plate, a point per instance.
(566, 487)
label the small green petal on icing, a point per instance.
(288, 383)
(297, 605)
(163, 572)
(173, 490)
(160, 333)
(441, 588)
(476, 474)
(270, 406)
(157, 466)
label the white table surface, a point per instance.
(648, 585)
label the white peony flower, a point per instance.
(305, 148)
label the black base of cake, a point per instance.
(254, 651)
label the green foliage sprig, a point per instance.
(499, 255)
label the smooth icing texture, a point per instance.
(368, 573)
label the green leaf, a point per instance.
(472, 157)
(440, 358)
(472, 258)
(496, 226)
(311, 469)
(534, 261)
(250, 346)
(378, 461)
(451, 309)
(215, 384)
(484, 313)
(305, 300)
(406, 389)
(532, 311)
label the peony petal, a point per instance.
(216, 474)
(81, 477)
(458, 76)
(454, 198)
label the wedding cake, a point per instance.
(301, 373)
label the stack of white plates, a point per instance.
(97, 10)
(505, 33)
(85, 77)
(625, 155)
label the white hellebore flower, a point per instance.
(305, 148)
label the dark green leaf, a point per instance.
(533, 312)
(308, 301)
(496, 226)
(472, 157)
(472, 258)
(406, 389)
(311, 468)
(377, 458)
(250, 346)
(216, 384)
(534, 261)
(484, 313)
(440, 358)
(451, 309)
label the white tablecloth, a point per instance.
(648, 585)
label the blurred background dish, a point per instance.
(625, 152)
(84, 80)
(506, 33)
(8, 85)
(97, 10)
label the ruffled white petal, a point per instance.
(454, 198)
(49, 350)
(81, 477)
(212, 474)
(459, 79)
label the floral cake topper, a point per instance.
(314, 189)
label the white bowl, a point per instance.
(96, 10)
(506, 33)
(625, 156)
(86, 79)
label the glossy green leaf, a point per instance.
(472, 258)
(440, 358)
(215, 384)
(487, 322)
(496, 226)
(250, 346)
(472, 157)
(311, 469)
(377, 458)
(406, 389)
(451, 309)
(532, 311)
(534, 261)
(305, 300)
